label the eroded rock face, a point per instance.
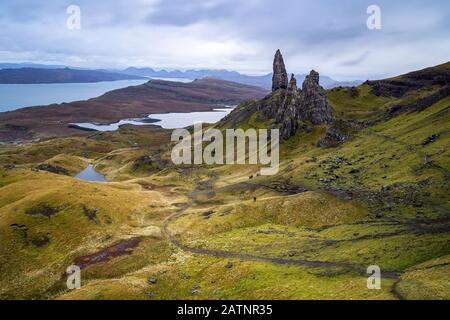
(288, 108)
(312, 103)
(280, 77)
(308, 105)
(289, 122)
(412, 81)
(338, 132)
(293, 83)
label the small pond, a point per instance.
(90, 174)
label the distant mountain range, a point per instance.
(264, 81)
(31, 65)
(32, 73)
(65, 75)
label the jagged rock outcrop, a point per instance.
(300, 106)
(280, 77)
(338, 132)
(312, 103)
(287, 107)
(292, 83)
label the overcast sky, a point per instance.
(328, 35)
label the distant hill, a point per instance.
(154, 96)
(8, 65)
(264, 81)
(64, 75)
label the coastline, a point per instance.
(149, 120)
(133, 102)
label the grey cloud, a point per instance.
(182, 13)
(354, 61)
(325, 34)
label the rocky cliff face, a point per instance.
(313, 105)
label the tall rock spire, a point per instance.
(280, 77)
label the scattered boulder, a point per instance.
(91, 214)
(430, 139)
(353, 92)
(339, 132)
(333, 137)
(195, 289)
(143, 161)
(9, 166)
(229, 265)
(148, 163)
(152, 280)
(206, 214)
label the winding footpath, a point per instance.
(280, 261)
(361, 270)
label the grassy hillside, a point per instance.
(157, 231)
